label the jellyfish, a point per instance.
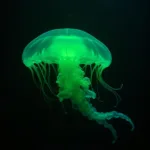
(72, 50)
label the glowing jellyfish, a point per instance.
(69, 48)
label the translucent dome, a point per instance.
(65, 43)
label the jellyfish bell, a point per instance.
(49, 47)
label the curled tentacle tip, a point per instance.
(116, 105)
(132, 128)
(121, 86)
(114, 141)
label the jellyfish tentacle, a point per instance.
(78, 91)
(110, 127)
(88, 110)
(113, 114)
(111, 89)
(123, 116)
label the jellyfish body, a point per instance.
(68, 49)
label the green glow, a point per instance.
(68, 49)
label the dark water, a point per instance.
(124, 27)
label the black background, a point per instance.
(34, 124)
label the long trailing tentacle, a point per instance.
(110, 127)
(88, 110)
(113, 114)
(102, 118)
